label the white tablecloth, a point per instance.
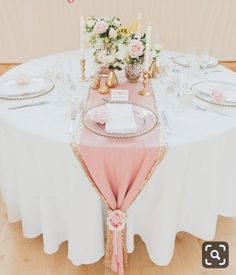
(44, 186)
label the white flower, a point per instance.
(109, 59)
(137, 36)
(116, 22)
(90, 23)
(98, 44)
(112, 33)
(100, 57)
(104, 18)
(153, 55)
(155, 51)
(87, 37)
(121, 54)
(158, 47)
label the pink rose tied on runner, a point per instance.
(119, 168)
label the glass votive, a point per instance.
(95, 82)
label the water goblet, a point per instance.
(59, 79)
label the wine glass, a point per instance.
(171, 85)
(72, 78)
(193, 63)
(59, 79)
(185, 95)
(205, 58)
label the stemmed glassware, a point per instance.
(171, 85)
(191, 58)
(177, 90)
(71, 77)
(193, 62)
(205, 58)
(59, 79)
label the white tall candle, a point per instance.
(139, 15)
(82, 37)
(139, 19)
(148, 47)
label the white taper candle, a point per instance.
(148, 47)
(139, 20)
(82, 37)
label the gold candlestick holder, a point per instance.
(83, 78)
(145, 91)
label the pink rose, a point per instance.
(116, 220)
(135, 48)
(22, 79)
(217, 96)
(101, 26)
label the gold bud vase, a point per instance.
(153, 69)
(112, 81)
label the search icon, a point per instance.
(215, 254)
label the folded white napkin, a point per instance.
(120, 119)
(230, 95)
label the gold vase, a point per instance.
(112, 81)
(153, 69)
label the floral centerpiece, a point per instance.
(116, 47)
(107, 38)
(135, 57)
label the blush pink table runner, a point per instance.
(118, 169)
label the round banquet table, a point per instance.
(44, 186)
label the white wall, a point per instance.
(32, 28)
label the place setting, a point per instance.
(201, 61)
(194, 90)
(24, 87)
(215, 96)
(120, 119)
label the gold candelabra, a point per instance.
(83, 78)
(145, 91)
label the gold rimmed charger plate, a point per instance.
(26, 94)
(147, 123)
(199, 94)
(176, 60)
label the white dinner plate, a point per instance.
(36, 87)
(203, 89)
(146, 120)
(183, 60)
